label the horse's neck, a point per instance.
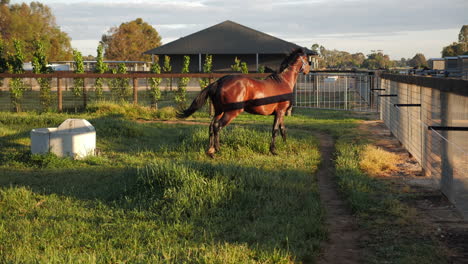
(290, 76)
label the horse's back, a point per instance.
(254, 96)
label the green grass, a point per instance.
(395, 234)
(153, 195)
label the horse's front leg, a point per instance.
(273, 134)
(211, 150)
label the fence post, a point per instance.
(316, 80)
(346, 93)
(135, 91)
(59, 95)
(371, 86)
(85, 94)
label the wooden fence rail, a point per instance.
(65, 74)
(134, 76)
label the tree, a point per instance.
(181, 93)
(418, 61)
(15, 65)
(315, 47)
(154, 92)
(40, 66)
(207, 68)
(120, 88)
(78, 83)
(3, 60)
(338, 59)
(357, 59)
(167, 68)
(101, 67)
(33, 22)
(89, 58)
(455, 49)
(129, 40)
(460, 47)
(236, 66)
(463, 35)
(239, 66)
(377, 60)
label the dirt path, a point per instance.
(342, 246)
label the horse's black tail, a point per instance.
(198, 102)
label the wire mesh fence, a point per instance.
(30, 101)
(337, 91)
(432, 124)
(136, 85)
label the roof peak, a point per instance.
(227, 37)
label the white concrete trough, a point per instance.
(74, 138)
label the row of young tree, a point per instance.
(13, 63)
(119, 87)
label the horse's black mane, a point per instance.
(290, 59)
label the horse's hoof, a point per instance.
(273, 153)
(210, 152)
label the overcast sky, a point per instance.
(401, 28)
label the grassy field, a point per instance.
(152, 195)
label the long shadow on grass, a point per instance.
(129, 136)
(266, 209)
(90, 183)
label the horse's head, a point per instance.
(305, 66)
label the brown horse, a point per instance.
(233, 94)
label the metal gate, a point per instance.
(337, 91)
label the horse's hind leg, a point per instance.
(278, 124)
(214, 130)
(273, 134)
(226, 118)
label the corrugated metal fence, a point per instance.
(429, 116)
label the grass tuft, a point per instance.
(378, 162)
(392, 235)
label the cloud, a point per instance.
(296, 17)
(293, 19)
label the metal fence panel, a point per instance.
(337, 91)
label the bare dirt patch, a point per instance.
(343, 242)
(433, 209)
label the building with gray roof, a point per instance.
(226, 41)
